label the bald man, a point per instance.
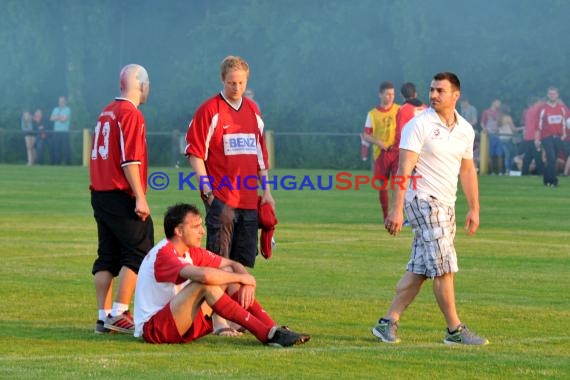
(118, 174)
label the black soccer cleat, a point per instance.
(283, 337)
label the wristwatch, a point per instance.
(206, 195)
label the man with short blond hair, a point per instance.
(227, 150)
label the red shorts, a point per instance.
(161, 328)
(386, 165)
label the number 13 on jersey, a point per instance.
(98, 148)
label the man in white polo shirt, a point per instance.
(437, 147)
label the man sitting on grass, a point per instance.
(180, 285)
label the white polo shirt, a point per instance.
(440, 154)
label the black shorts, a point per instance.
(124, 239)
(232, 232)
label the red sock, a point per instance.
(229, 309)
(261, 314)
(384, 202)
(257, 310)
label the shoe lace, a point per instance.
(464, 331)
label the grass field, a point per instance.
(332, 275)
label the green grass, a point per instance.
(332, 275)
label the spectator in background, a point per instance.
(507, 129)
(531, 151)
(27, 125)
(42, 139)
(566, 147)
(469, 113)
(551, 131)
(380, 130)
(60, 117)
(490, 124)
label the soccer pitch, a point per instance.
(332, 275)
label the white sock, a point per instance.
(119, 308)
(272, 332)
(103, 313)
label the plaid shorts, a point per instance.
(433, 225)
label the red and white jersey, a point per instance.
(552, 119)
(407, 111)
(232, 144)
(159, 278)
(119, 139)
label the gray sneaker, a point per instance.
(464, 336)
(386, 331)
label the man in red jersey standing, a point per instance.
(551, 129)
(226, 149)
(118, 174)
(412, 106)
(531, 149)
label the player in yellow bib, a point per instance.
(380, 131)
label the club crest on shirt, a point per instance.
(240, 143)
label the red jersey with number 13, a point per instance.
(119, 140)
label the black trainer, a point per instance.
(100, 327)
(283, 337)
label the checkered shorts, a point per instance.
(433, 224)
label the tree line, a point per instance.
(315, 65)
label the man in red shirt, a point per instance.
(226, 149)
(411, 107)
(118, 174)
(530, 149)
(180, 285)
(551, 129)
(490, 124)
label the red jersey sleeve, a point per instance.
(167, 266)
(399, 126)
(132, 137)
(264, 156)
(203, 258)
(198, 129)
